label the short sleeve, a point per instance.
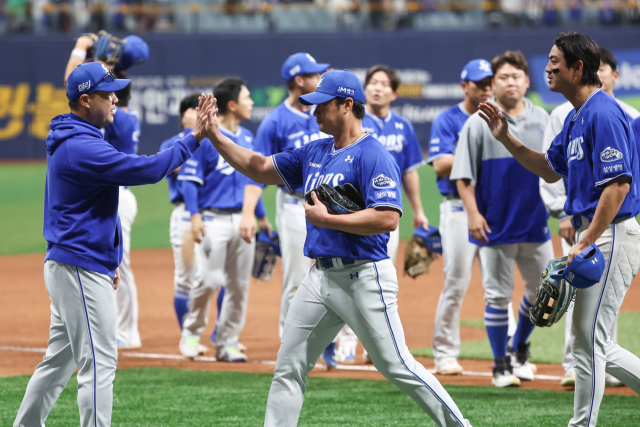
(265, 141)
(465, 165)
(611, 154)
(443, 139)
(380, 180)
(194, 168)
(288, 164)
(556, 156)
(413, 157)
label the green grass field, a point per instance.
(167, 397)
(22, 203)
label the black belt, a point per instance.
(451, 196)
(577, 221)
(325, 263)
(224, 211)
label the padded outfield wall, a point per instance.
(32, 92)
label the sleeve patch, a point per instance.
(381, 182)
(385, 194)
(613, 168)
(610, 155)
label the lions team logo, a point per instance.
(381, 181)
(610, 155)
(485, 66)
(84, 86)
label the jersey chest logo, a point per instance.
(575, 150)
(315, 179)
(223, 167)
(392, 142)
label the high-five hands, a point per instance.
(497, 122)
(205, 103)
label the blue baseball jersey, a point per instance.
(635, 126)
(445, 132)
(595, 146)
(220, 185)
(368, 166)
(286, 128)
(124, 132)
(175, 196)
(397, 135)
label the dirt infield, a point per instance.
(25, 315)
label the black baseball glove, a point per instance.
(339, 200)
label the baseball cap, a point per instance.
(476, 70)
(301, 63)
(431, 237)
(334, 84)
(586, 268)
(136, 51)
(88, 78)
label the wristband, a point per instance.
(79, 53)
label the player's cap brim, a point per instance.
(112, 86)
(314, 98)
(315, 68)
(476, 77)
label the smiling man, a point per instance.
(84, 244)
(596, 153)
(506, 215)
(353, 280)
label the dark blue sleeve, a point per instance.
(96, 161)
(611, 154)
(443, 139)
(194, 168)
(413, 157)
(380, 180)
(189, 191)
(261, 212)
(288, 164)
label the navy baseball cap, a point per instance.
(334, 84)
(301, 63)
(476, 70)
(88, 78)
(586, 269)
(136, 51)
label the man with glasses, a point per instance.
(84, 244)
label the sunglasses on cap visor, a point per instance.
(111, 74)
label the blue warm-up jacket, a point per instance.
(81, 223)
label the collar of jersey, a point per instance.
(333, 146)
(378, 120)
(297, 112)
(228, 132)
(465, 112)
(575, 116)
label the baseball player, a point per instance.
(554, 196)
(291, 125)
(597, 154)
(458, 252)
(397, 135)
(506, 215)
(353, 281)
(214, 194)
(84, 244)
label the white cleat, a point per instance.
(202, 349)
(503, 373)
(241, 346)
(449, 367)
(569, 379)
(230, 354)
(524, 371)
(189, 347)
(611, 381)
(519, 359)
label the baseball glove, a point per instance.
(339, 200)
(109, 49)
(554, 294)
(265, 255)
(421, 250)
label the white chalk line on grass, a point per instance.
(259, 362)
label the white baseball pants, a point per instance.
(364, 297)
(596, 309)
(224, 259)
(82, 335)
(179, 224)
(392, 245)
(292, 231)
(127, 293)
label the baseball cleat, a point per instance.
(569, 379)
(189, 347)
(202, 349)
(329, 356)
(231, 354)
(449, 367)
(519, 361)
(128, 346)
(611, 381)
(365, 357)
(503, 373)
(241, 346)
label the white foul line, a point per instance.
(260, 362)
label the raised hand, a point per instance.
(205, 102)
(497, 122)
(213, 128)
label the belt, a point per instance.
(582, 221)
(325, 263)
(227, 211)
(451, 196)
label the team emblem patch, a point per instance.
(610, 155)
(346, 90)
(84, 86)
(381, 181)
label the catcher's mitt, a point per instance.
(108, 48)
(339, 200)
(554, 294)
(421, 250)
